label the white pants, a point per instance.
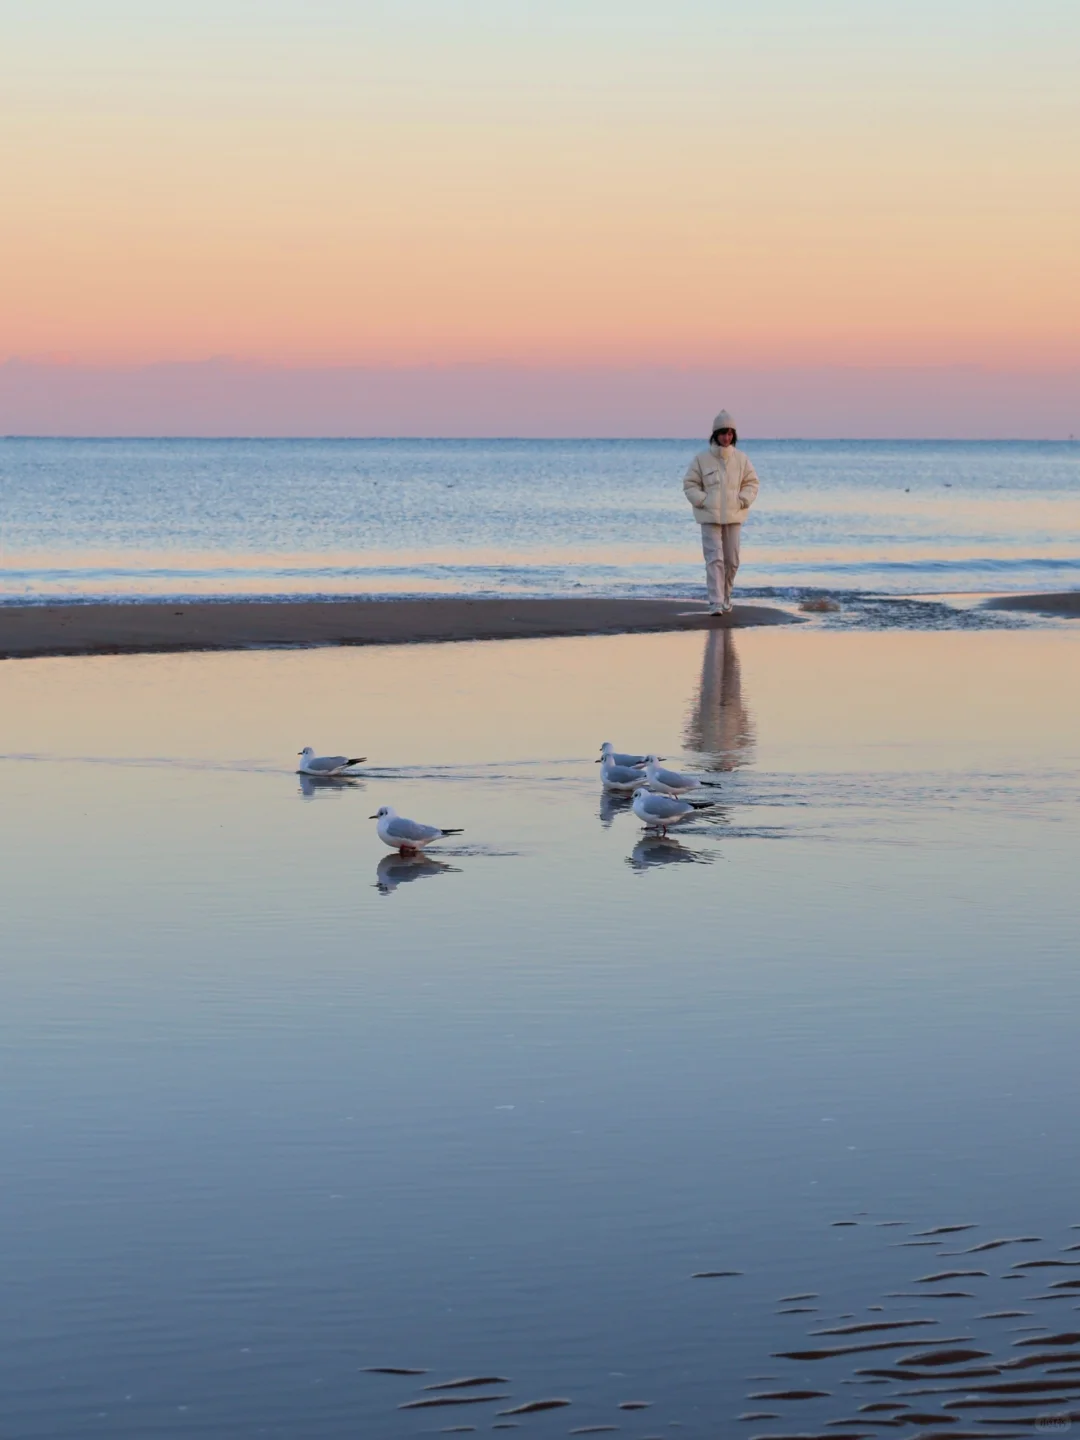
(720, 544)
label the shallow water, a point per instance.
(277, 1109)
(128, 519)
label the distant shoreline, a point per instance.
(27, 631)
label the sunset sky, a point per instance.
(558, 183)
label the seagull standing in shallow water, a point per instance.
(408, 836)
(610, 756)
(620, 778)
(326, 766)
(670, 782)
(659, 812)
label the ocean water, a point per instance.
(131, 519)
(281, 1110)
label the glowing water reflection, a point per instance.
(273, 1113)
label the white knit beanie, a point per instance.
(724, 421)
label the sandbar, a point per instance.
(88, 629)
(1064, 603)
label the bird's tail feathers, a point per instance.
(356, 760)
(453, 832)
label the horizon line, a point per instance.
(554, 439)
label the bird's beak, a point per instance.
(373, 817)
(598, 762)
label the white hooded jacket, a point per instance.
(721, 485)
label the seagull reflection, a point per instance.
(313, 785)
(665, 850)
(720, 725)
(397, 869)
(612, 804)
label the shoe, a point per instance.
(727, 609)
(716, 610)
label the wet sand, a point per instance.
(241, 625)
(1065, 603)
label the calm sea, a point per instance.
(131, 519)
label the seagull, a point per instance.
(610, 756)
(408, 836)
(659, 812)
(621, 778)
(670, 782)
(326, 765)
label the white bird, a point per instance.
(671, 782)
(326, 765)
(659, 812)
(610, 756)
(621, 778)
(408, 836)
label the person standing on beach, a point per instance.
(721, 485)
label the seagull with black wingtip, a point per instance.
(408, 836)
(326, 767)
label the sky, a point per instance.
(565, 184)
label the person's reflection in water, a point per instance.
(665, 850)
(311, 786)
(720, 726)
(397, 869)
